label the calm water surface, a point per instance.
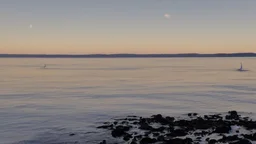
(75, 95)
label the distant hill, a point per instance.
(127, 55)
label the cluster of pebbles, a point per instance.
(231, 128)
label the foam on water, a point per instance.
(74, 95)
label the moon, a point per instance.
(30, 26)
(167, 16)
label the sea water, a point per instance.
(44, 105)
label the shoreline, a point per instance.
(194, 129)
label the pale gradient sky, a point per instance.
(127, 26)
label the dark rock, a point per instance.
(232, 115)
(120, 131)
(72, 134)
(124, 122)
(160, 138)
(115, 122)
(145, 126)
(147, 140)
(188, 141)
(106, 126)
(170, 119)
(138, 137)
(123, 128)
(155, 134)
(132, 119)
(202, 133)
(212, 141)
(223, 129)
(229, 138)
(135, 123)
(160, 119)
(160, 129)
(178, 141)
(241, 141)
(250, 136)
(103, 142)
(249, 124)
(132, 116)
(177, 132)
(127, 137)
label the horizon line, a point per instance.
(128, 55)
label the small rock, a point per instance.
(223, 129)
(127, 137)
(147, 140)
(212, 141)
(103, 142)
(241, 141)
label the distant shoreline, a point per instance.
(189, 55)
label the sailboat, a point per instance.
(44, 66)
(241, 68)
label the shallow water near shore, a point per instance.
(76, 95)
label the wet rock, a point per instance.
(249, 124)
(178, 141)
(103, 142)
(145, 126)
(187, 141)
(170, 119)
(241, 141)
(212, 141)
(250, 136)
(160, 119)
(161, 138)
(223, 129)
(120, 131)
(169, 130)
(177, 132)
(202, 133)
(229, 138)
(127, 137)
(232, 115)
(138, 137)
(147, 140)
(156, 134)
(106, 126)
(132, 119)
(123, 128)
(160, 129)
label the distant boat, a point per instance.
(44, 66)
(241, 68)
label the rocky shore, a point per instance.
(230, 128)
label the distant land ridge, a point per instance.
(126, 55)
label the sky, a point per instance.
(127, 26)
